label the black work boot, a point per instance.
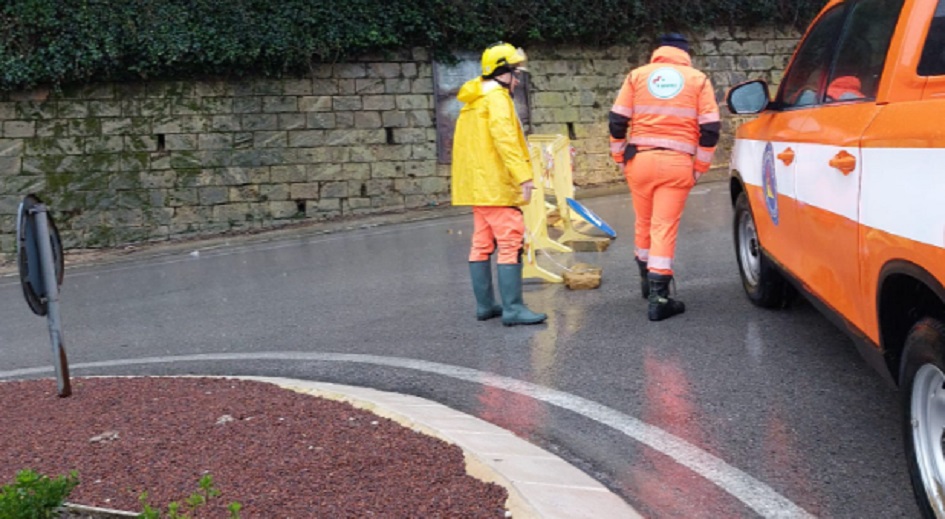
(644, 281)
(661, 306)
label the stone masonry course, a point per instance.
(122, 163)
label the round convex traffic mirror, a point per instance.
(27, 254)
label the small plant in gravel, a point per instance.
(176, 510)
(35, 496)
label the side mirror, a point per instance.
(750, 97)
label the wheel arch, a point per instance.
(735, 186)
(907, 293)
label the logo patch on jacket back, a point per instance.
(665, 83)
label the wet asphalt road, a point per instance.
(725, 411)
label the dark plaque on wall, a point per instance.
(447, 80)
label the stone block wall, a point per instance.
(574, 88)
(123, 163)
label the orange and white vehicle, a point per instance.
(839, 192)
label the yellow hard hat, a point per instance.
(502, 55)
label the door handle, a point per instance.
(786, 156)
(843, 161)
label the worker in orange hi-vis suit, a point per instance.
(672, 116)
(492, 172)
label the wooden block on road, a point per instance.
(582, 276)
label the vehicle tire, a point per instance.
(922, 386)
(764, 284)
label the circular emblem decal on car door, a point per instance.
(665, 83)
(769, 183)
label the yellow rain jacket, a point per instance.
(490, 155)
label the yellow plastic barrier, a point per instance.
(556, 177)
(536, 227)
(556, 153)
(536, 217)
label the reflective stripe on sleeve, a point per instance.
(617, 146)
(704, 155)
(709, 118)
(625, 111)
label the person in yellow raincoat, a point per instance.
(491, 172)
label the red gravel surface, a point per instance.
(279, 453)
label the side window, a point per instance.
(933, 54)
(805, 80)
(862, 50)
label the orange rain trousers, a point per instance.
(504, 226)
(659, 181)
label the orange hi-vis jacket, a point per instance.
(671, 105)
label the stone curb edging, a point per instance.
(541, 485)
(76, 511)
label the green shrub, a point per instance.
(72, 41)
(176, 510)
(34, 496)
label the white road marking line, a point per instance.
(753, 493)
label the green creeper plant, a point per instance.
(35, 496)
(190, 506)
(73, 42)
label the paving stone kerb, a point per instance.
(149, 161)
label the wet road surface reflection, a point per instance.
(724, 411)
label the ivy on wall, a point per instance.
(57, 42)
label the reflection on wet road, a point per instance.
(725, 411)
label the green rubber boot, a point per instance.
(661, 305)
(481, 274)
(644, 280)
(514, 310)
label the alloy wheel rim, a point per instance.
(928, 432)
(748, 249)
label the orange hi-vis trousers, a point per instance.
(504, 226)
(660, 181)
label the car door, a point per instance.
(830, 160)
(764, 155)
(902, 217)
(768, 149)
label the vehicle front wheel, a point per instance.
(764, 284)
(922, 384)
